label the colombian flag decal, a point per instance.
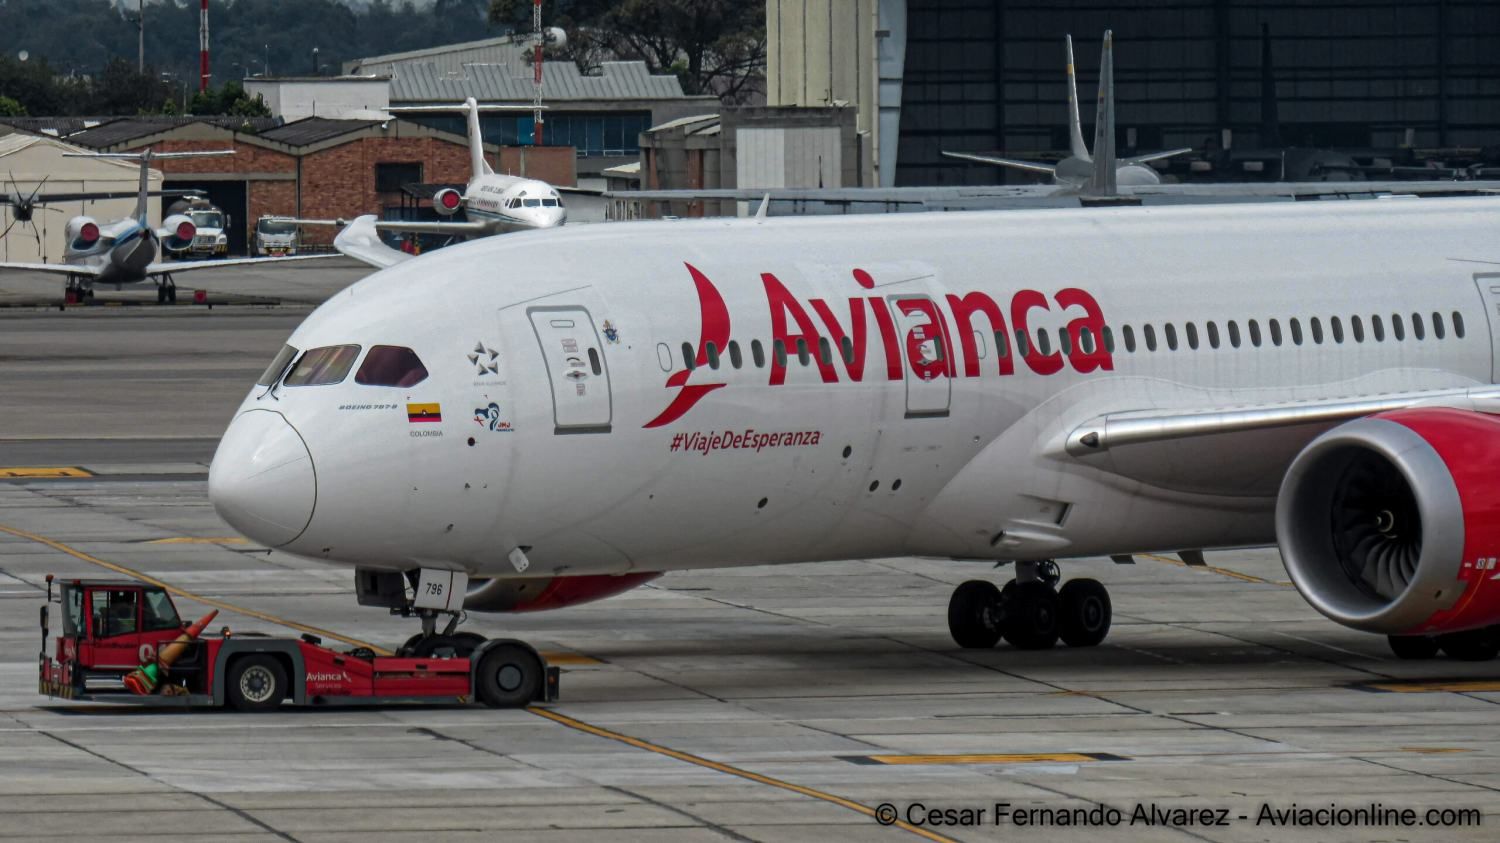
(424, 412)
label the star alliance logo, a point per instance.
(484, 359)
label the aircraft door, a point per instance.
(1489, 293)
(576, 368)
(927, 355)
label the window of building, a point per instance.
(322, 366)
(391, 175)
(391, 365)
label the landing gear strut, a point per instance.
(166, 290)
(1030, 612)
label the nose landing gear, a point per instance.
(1030, 612)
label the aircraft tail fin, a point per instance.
(471, 108)
(1075, 124)
(1103, 182)
(146, 156)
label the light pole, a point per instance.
(266, 65)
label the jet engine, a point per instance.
(1391, 523)
(177, 233)
(447, 201)
(82, 232)
(517, 594)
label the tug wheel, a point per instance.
(509, 676)
(256, 683)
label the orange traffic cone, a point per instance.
(142, 681)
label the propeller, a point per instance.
(21, 209)
(1377, 528)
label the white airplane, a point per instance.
(1077, 170)
(128, 251)
(1016, 386)
(492, 203)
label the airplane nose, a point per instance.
(261, 480)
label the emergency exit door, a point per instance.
(1489, 293)
(924, 355)
(574, 358)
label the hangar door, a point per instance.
(232, 197)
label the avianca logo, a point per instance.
(922, 342)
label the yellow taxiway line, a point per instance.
(21, 472)
(981, 758)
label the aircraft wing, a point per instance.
(1014, 164)
(1155, 156)
(1240, 450)
(188, 266)
(1311, 189)
(463, 227)
(52, 268)
(44, 198)
(361, 241)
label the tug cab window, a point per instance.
(391, 365)
(273, 371)
(322, 366)
(114, 612)
(158, 612)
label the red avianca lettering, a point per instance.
(926, 349)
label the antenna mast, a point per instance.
(203, 47)
(536, 94)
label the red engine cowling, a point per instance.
(177, 232)
(82, 232)
(447, 201)
(516, 594)
(1391, 523)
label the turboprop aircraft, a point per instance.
(128, 251)
(1077, 170)
(1021, 387)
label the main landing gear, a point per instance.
(1471, 645)
(166, 290)
(1030, 612)
(75, 291)
(507, 673)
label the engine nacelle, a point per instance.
(517, 594)
(82, 232)
(447, 201)
(177, 232)
(1391, 523)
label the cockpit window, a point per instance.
(391, 365)
(551, 203)
(321, 366)
(533, 203)
(273, 371)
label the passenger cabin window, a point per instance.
(803, 355)
(1317, 330)
(1398, 328)
(273, 371)
(1296, 326)
(391, 365)
(1275, 327)
(1213, 335)
(713, 355)
(1234, 333)
(1129, 334)
(1109, 339)
(735, 358)
(1150, 334)
(1377, 328)
(1255, 333)
(1336, 327)
(1416, 327)
(597, 366)
(1357, 328)
(1458, 324)
(778, 348)
(1192, 335)
(322, 366)
(1437, 326)
(758, 354)
(1065, 341)
(689, 360)
(1170, 331)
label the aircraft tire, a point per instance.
(255, 683)
(1472, 645)
(457, 646)
(973, 615)
(508, 676)
(1086, 613)
(1032, 616)
(1413, 647)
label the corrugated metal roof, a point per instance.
(310, 130)
(423, 82)
(101, 132)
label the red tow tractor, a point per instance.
(123, 641)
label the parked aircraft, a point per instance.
(533, 421)
(1077, 170)
(128, 251)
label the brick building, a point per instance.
(314, 168)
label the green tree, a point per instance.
(11, 108)
(712, 46)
